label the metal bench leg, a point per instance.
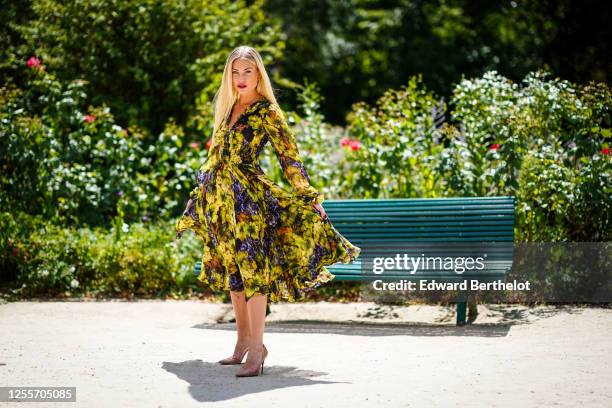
(461, 308)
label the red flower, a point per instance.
(355, 144)
(345, 141)
(494, 146)
(33, 62)
(605, 150)
(208, 143)
(89, 118)
(194, 145)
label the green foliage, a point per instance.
(542, 142)
(39, 259)
(71, 162)
(400, 147)
(13, 49)
(545, 142)
(147, 60)
(357, 49)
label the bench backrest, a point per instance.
(447, 222)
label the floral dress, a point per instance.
(259, 237)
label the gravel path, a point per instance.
(163, 354)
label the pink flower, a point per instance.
(355, 144)
(345, 141)
(33, 62)
(606, 151)
(194, 145)
(494, 146)
(208, 143)
(89, 118)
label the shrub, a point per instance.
(40, 259)
(398, 145)
(71, 162)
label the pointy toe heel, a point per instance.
(233, 360)
(247, 371)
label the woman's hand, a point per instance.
(189, 204)
(321, 211)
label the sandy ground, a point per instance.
(163, 354)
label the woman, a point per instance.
(260, 240)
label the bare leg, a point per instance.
(242, 319)
(256, 307)
(243, 327)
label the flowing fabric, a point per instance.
(259, 237)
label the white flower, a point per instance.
(74, 283)
(125, 227)
(45, 272)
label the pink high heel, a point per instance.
(257, 369)
(233, 359)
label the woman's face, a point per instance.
(244, 77)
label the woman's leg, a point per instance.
(256, 307)
(243, 326)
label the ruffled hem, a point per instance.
(278, 289)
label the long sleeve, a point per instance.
(282, 139)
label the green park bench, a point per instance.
(442, 225)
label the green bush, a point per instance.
(399, 145)
(72, 163)
(148, 61)
(40, 259)
(545, 142)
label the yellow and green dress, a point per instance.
(259, 237)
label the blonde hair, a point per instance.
(225, 97)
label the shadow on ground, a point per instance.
(209, 382)
(503, 316)
(370, 329)
(516, 315)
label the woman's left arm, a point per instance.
(282, 139)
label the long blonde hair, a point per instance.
(225, 97)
